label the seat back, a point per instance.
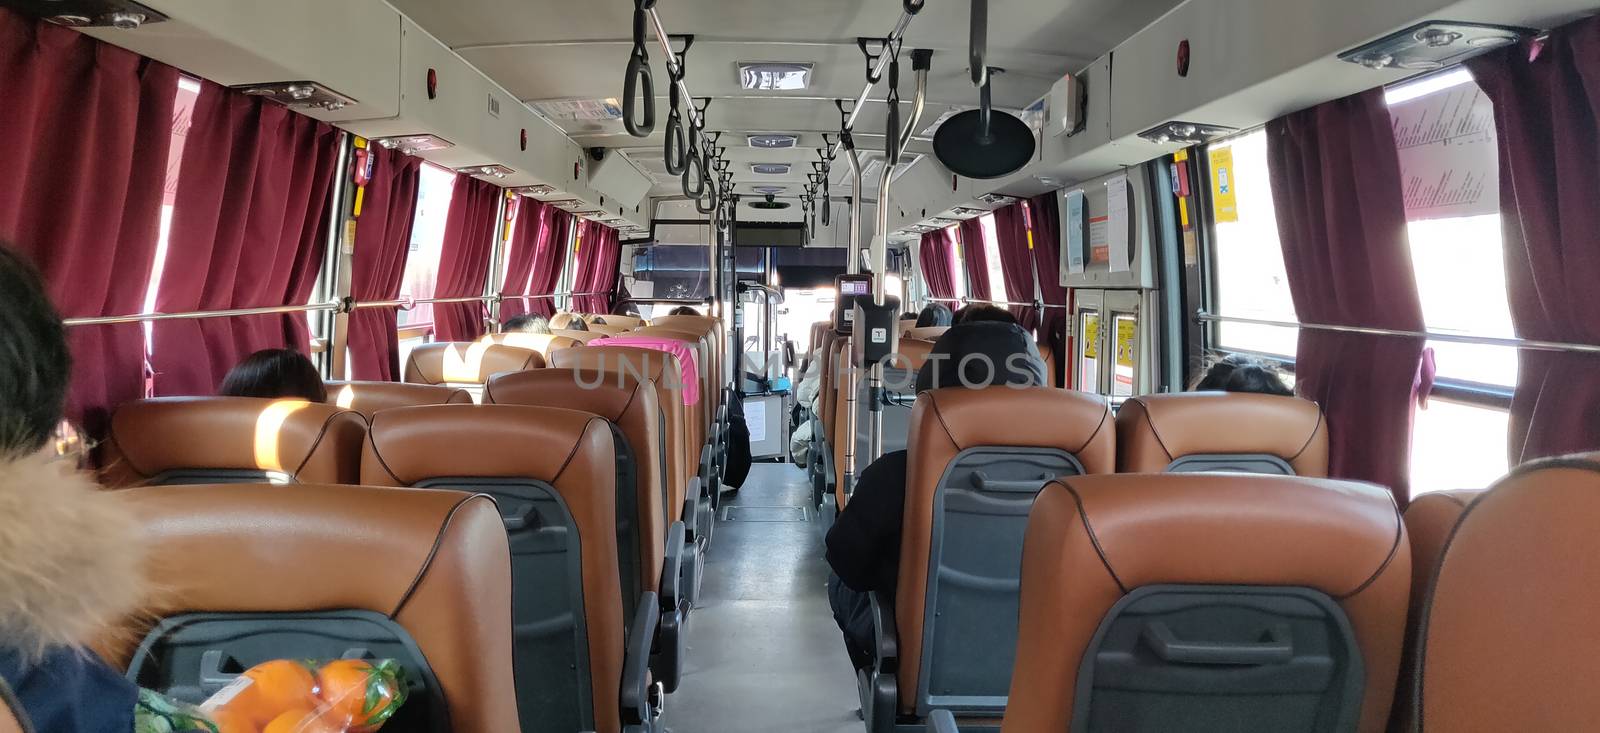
(609, 329)
(255, 572)
(369, 397)
(975, 460)
(1222, 431)
(1430, 518)
(925, 333)
(564, 319)
(621, 365)
(704, 408)
(544, 343)
(553, 474)
(584, 337)
(631, 405)
(202, 440)
(1047, 355)
(466, 363)
(715, 335)
(615, 319)
(1508, 637)
(1209, 602)
(899, 380)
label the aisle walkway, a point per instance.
(764, 653)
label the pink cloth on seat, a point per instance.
(688, 367)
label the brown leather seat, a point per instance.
(608, 329)
(1193, 601)
(583, 337)
(615, 319)
(432, 564)
(189, 440)
(1222, 431)
(369, 397)
(1047, 355)
(1508, 637)
(553, 473)
(1430, 518)
(976, 458)
(714, 332)
(905, 324)
(564, 319)
(925, 333)
(900, 375)
(544, 343)
(706, 408)
(466, 363)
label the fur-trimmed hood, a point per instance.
(71, 556)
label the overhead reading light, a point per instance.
(773, 142)
(568, 205)
(487, 171)
(607, 108)
(298, 94)
(939, 222)
(413, 144)
(769, 190)
(123, 15)
(774, 76)
(996, 199)
(1433, 44)
(1185, 133)
(770, 169)
(538, 189)
(967, 212)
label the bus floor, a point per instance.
(764, 652)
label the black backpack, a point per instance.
(738, 465)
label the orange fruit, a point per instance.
(229, 721)
(359, 695)
(301, 720)
(275, 687)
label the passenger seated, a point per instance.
(981, 313)
(598, 321)
(864, 542)
(577, 324)
(1235, 373)
(933, 315)
(527, 323)
(275, 374)
(74, 555)
(683, 310)
(909, 316)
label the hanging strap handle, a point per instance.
(637, 81)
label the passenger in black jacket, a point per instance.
(864, 542)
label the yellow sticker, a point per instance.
(1183, 212)
(1182, 156)
(1091, 336)
(1127, 329)
(1224, 192)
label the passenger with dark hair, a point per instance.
(275, 374)
(683, 310)
(985, 312)
(933, 314)
(598, 321)
(1236, 373)
(908, 316)
(527, 323)
(74, 559)
(864, 543)
(577, 324)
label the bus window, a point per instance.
(1444, 130)
(435, 188)
(991, 253)
(1250, 277)
(1089, 355)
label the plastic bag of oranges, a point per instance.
(301, 696)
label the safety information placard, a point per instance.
(1127, 329)
(1117, 223)
(1091, 336)
(1224, 197)
(1077, 230)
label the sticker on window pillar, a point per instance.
(1224, 192)
(880, 335)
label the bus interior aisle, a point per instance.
(765, 653)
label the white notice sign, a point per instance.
(1449, 164)
(755, 416)
(1117, 222)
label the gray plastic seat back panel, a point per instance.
(1232, 462)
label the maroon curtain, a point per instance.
(249, 222)
(1016, 262)
(548, 262)
(1547, 114)
(938, 264)
(383, 240)
(1046, 213)
(523, 249)
(87, 127)
(975, 259)
(599, 256)
(464, 259)
(1342, 223)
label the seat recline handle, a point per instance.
(1275, 647)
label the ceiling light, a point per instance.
(487, 171)
(773, 141)
(770, 169)
(1185, 133)
(298, 94)
(774, 76)
(996, 199)
(538, 189)
(1433, 45)
(768, 190)
(413, 144)
(967, 212)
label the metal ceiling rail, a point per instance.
(968, 301)
(311, 308)
(1455, 338)
(877, 72)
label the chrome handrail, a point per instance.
(1455, 338)
(399, 303)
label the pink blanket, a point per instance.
(688, 368)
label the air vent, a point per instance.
(536, 190)
(298, 95)
(568, 205)
(579, 109)
(487, 171)
(124, 15)
(773, 142)
(774, 76)
(1433, 45)
(996, 199)
(413, 144)
(770, 169)
(1185, 133)
(966, 212)
(768, 190)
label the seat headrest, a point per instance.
(1508, 637)
(569, 389)
(1153, 431)
(411, 445)
(913, 353)
(693, 337)
(369, 397)
(926, 333)
(466, 363)
(436, 562)
(311, 442)
(1025, 417)
(982, 354)
(562, 320)
(584, 337)
(632, 360)
(692, 324)
(614, 319)
(606, 329)
(1092, 540)
(544, 343)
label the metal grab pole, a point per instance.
(852, 266)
